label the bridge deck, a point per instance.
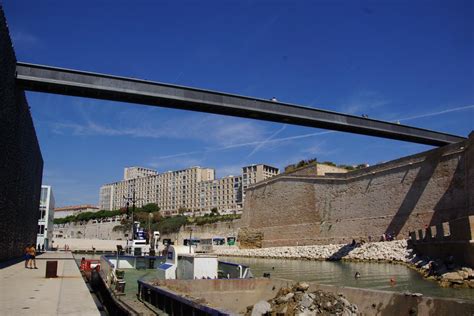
(100, 86)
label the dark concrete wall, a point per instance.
(398, 196)
(454, 238)
(21, 163)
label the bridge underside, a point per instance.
(99, 86)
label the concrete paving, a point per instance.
(27, 291)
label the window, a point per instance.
(44, 195)
(42, 213)
(41, 229)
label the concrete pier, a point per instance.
(27, 291)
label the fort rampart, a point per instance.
(394, 197)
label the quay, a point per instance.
(28, 291)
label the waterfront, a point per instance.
(373, 275)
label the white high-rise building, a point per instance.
(256, 173)
(191, 190)
(137, 172)
(106, 197)
(46, 218)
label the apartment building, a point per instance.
(137, 172)
(224, 194)
(194, 189)
(46, 218)
(256, 173)
(106, 197)
(171, 191)
(65, 211)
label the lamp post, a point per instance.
(190, 239)
(150, 216)
(133, 200)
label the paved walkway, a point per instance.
(28, 292)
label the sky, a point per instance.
(411, 61)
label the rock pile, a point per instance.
(392, 251)
(297, 300)
(445, 272)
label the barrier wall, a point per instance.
(454, 238)
(21, 163)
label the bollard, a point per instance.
(120, 286)
(51, 269)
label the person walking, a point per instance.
(27, 256)
(32, 253)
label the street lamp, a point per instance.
(150, 216)
(133, 200)
(190, 239)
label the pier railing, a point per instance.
(172, 303)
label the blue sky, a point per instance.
(392, 60)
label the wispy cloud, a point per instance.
(24, 38)
(213, 129)
(304, 136)
(227, 170)
(256, 143)
(363, 102)
(177, 163)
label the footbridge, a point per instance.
(49, 79)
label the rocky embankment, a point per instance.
(446, 272)
(390, 251)
(297, 300)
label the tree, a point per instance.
(214, 212)
(182, 210)
(150, 208)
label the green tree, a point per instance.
(150, 208)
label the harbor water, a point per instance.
(373, 275)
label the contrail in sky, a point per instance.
(461, 108)
(259, 144)
(257, 148)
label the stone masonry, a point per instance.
(394, 197)
(21, 163)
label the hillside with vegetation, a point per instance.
(148, 215)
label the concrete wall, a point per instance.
(81, 244)
(21, 163)
(104, 231)
(89, 230)
(233, 296)
(394, 197)
(454, 238)
(219, 229)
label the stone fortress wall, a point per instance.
(90, 230)
(21, 163)
(394, 197)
